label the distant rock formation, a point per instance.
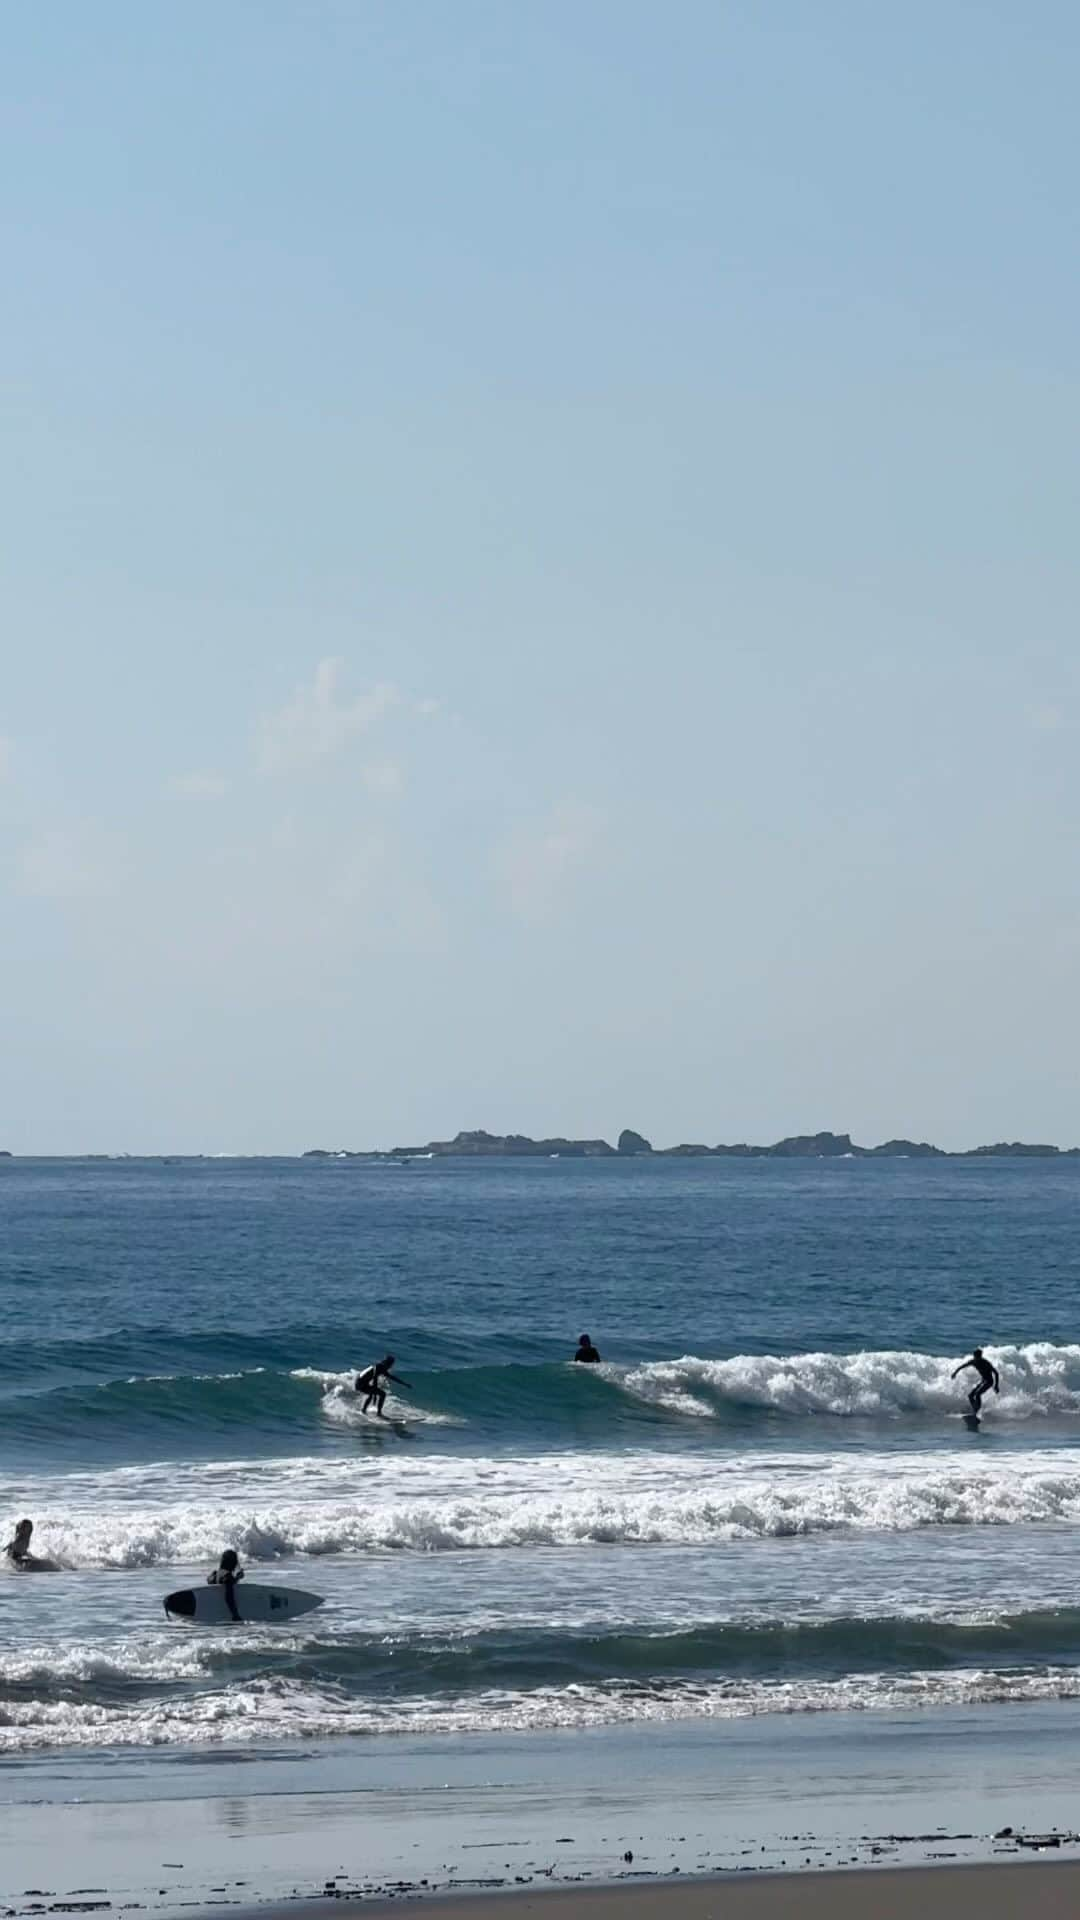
(481, 1144)
(814, 1146)
(905, 1150)
(797, 1146)
(1020, 1150)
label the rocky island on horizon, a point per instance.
(798, 1146)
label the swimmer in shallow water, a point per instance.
(18, 1549)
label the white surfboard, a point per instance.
(206, 1606)
(386, 1423)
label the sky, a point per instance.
(539, 572)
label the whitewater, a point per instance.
(763, 1501)
(315, 1506)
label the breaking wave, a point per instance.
(311, 1507)
(342, 1404)
(175, 1689)
(1038, 1380)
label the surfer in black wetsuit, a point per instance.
(227, 1574)
(988, 1377)
(586, 1352)
(369, 1383)
(18, 1550)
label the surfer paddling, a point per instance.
(369, 1383)
(227, 1575)
(586, 1352)
(988, 1377)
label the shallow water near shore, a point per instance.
(512, 1812)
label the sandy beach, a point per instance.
(995, 1892)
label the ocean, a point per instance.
(763, 1503)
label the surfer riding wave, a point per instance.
(988, 1377)
(369, 1383)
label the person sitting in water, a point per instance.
(18, 1550)
(369, 1383)
(227, 1574)
(988, 1377)
(586, 1352)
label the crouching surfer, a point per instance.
(227, 1575)
(369, 1383)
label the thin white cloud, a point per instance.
(536, 865)
(319, 721)
(285, 836)
(384, 778)
(69, 864)
(201, 784)
(355, 876)
(296, 908)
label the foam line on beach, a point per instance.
(269, 1708)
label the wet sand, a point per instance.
(1002, 1891)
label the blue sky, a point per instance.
(539, 572)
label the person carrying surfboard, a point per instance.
(369, 1383)
(226, 1575)
(988, 1377)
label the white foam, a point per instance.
(168, 1657)
(663, 1384)
(266, 1710)
(272, 1510)
(1036, 1379)
(342, 1403)
(168, 1379)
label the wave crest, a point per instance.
(1037, 1379)
(341, 1402)
(569, 1500)
(265, 1711)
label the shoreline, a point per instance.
(588, 1818)
(1000, 1890)
(1006, 1887)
